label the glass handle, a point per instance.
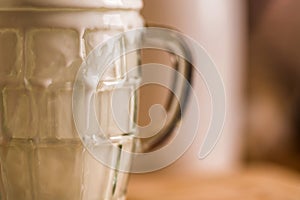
(175, 107)
(107, 148)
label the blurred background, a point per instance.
(256, 47)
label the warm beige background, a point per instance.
(220, 27)
(262, 90)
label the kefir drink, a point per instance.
(42, 45)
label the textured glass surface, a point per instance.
(41, 156)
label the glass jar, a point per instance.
(42, 44)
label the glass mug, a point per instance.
(42, 44)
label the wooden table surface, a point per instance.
(253, 183)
